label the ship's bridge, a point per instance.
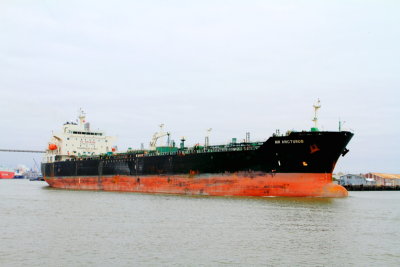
(76, 139)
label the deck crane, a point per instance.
(157, 136)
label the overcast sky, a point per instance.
(233, 66)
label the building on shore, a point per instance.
(353, 179)
(384, 179)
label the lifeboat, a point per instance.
(52, 147)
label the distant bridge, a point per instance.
(25, 151)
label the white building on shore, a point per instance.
(352, 179)
(386, 179)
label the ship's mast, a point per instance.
(207, 139)
(315, 119)
(81, 116)
(341, 123)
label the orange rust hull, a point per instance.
(259, 185)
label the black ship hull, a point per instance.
(302, 160)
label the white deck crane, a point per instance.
(156, 136)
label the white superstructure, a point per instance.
(76, 140)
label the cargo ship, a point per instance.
(20, 172)
(294, 164)
(6, 173)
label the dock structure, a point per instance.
(372, 187)
(22, 150)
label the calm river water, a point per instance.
(41, 226)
